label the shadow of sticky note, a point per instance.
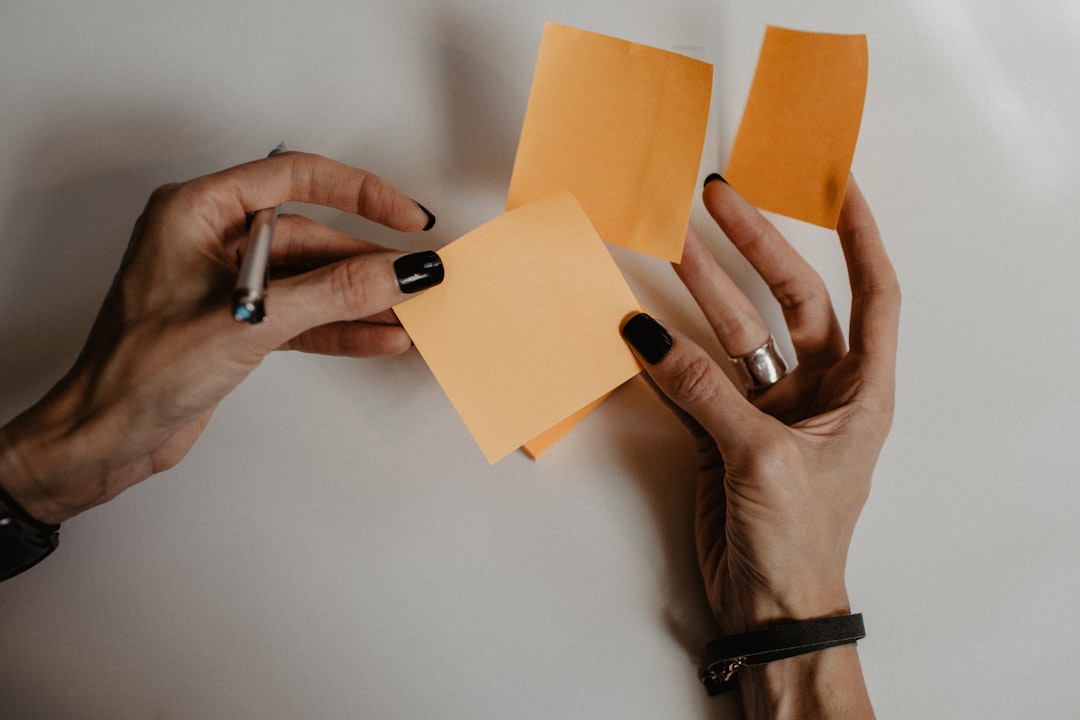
(793, 152)
(621, 126)
(524, 330)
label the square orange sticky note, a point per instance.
(795, 144)
(524, 330)
(622, 127)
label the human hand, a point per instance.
(165, 348)
(785, 472)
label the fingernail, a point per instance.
(648, 337)
(430, 218)
(715, 176)
(418, 271)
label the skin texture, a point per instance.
(165, 349)
(785, 473)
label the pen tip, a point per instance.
(280, 148)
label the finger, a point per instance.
(875, 290)
(386, 317)
(693, 380)
(732, 316)
(808, 312)
(699, 433)
(302, 244)
(308, 178)
(352, 339)
(349, 290)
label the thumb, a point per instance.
(692, 380)
(351, 289)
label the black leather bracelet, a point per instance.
(24, 541)
(726, 656)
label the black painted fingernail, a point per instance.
(430, 218)
(715, 176)
(418, 271)
(648, 337)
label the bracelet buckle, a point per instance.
(724, 672)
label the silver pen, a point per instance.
(249, 298)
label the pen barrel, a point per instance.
(257, 255)
(249, 298)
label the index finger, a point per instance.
(875, 290)
(304, 177)
(803, 297)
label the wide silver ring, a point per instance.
(760, 368)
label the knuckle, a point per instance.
(875, 411)
(697, 383)
(350, 284)
(304, 170)
(756, 230)
(738, 326)
(799, 290)
(876, 276)
(166, 202)
(375, 200)
(163, 193)
(165, 199)
(291, 231)
(890, 290)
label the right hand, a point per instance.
(165, 349)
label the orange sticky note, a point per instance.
(524, 330)
(547, 439)
(622, 127)
(795, 144)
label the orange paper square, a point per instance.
(793, 151)
(547, 439)
(622, 127)
(524, 330)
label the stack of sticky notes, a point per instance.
(523, 334)
(524, 330)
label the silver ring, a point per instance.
(760, 368)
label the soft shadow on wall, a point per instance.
(66, 225)
(484, 94)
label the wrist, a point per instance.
(754, 610)
(52, 464)
(820, 684)
(816, 685)
(28, 465)
(796, 669)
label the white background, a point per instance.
(336, 546)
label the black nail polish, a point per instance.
(418, 271)
(715, 176)
(430, 218)
(648, 337)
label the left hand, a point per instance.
(165, 349)
(786, 471)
